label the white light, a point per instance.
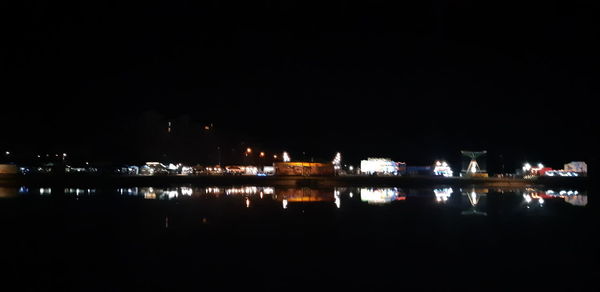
(540, 165)
(473, 169)
(286, 157)
(378, 165)
(186, 191)
(541, 201)
(247, 202)
(378, 195)
(443, 169)
(526, 166)
(442, 194)
(527, 198)
(285, 202)
(7, 153)
(171, 194)
(337, 160)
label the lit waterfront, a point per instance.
(371, 195)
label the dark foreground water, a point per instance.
(248, 237)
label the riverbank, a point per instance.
(292, 181)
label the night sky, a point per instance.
(412, 81)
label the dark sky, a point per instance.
(413, 81)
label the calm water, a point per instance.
(274, 237)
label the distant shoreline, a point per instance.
(291, 181)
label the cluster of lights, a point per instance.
(379, 165)
(336, 195)
(378, 196)
(442, 168)
(337, 161)
(211, 190)
(570, 196)
(244, 190)
(561, 173)
(151, 193)
(562, 193)
(442, 195)
(128, 191)
(528, 167)
(286, 157)
(530, 197)
(77, 192)
(188, 191)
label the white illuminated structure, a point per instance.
(443, 169)
(337, 161)
(473, 167)
(378, 165)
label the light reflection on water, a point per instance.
(470, 198)
(381, 195)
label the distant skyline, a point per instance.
(410, 81)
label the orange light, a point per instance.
(262, 154)
(249, 150)
(275, 156)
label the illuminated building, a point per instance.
(383, 166)
(303, 168)
(579, 167)
(442, 169)
(241, 170)
(153, 168)
(8, 169)
(269, 170)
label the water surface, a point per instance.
(188, 236)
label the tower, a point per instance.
(473, 168)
